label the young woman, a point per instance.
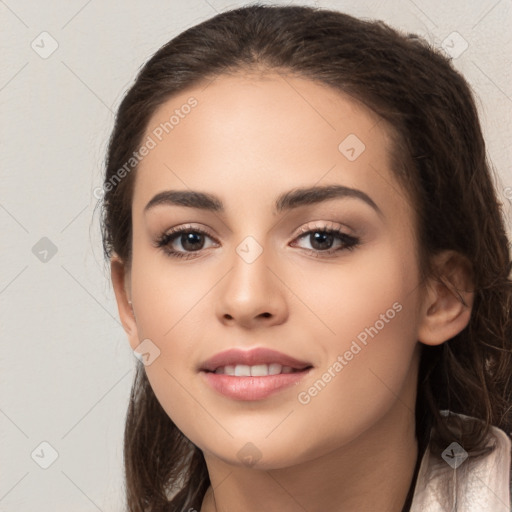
(311, 262)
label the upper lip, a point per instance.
(235, 356)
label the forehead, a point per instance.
(246, 137)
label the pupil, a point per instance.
(190, 238)
(322, 238)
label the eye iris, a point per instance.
(190, 238)
(321, 237)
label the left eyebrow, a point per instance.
(286, 201)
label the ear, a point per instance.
(120, 274)
(448, 299)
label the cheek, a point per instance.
(375, 288)
(171, 299)
(371, 310)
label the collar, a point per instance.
(458, 482)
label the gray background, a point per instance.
(65, 365)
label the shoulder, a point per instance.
(458, 481)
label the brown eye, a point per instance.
(322, 240)
(190, 239)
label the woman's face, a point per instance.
(259, 272)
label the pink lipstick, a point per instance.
(252, 374)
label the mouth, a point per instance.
(252, 374)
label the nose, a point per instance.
(253, 293)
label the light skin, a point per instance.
(249, 140)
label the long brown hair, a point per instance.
(439, 157)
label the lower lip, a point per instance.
(252, 388)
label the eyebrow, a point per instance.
(287, 201)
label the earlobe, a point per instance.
(121, 283)
(448, 300)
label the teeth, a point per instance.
(242, 370)
(258, 370)
(228, 370)
(274, 369)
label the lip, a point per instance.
(252, 357)
(252, 388)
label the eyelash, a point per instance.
(349, 242)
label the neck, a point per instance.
(373, 472)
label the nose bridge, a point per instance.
(249, 275)
(251, 290)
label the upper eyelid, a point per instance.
(184, 229)
(323, 225)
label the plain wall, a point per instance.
(66, 366)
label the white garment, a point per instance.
(470, 485)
